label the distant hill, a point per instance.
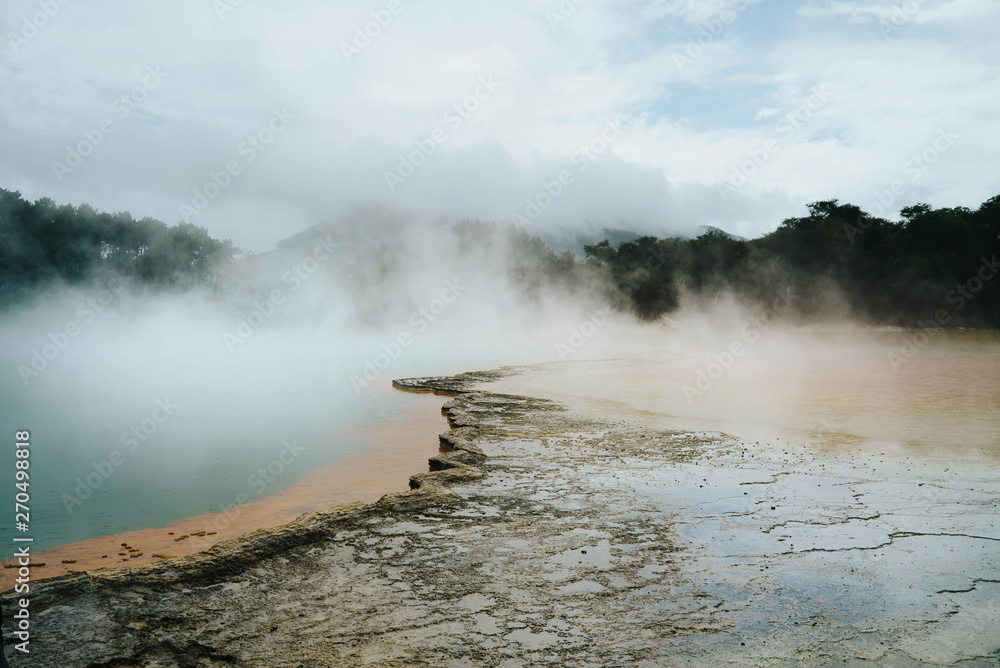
(934, 268)
(573, 241)
(561, 240)
(706, 229)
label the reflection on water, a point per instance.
(143, 448)
(835, 390)
(398, 448)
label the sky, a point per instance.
(256, 120)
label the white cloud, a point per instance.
(766, 112)
(904, 11)
(557, 87)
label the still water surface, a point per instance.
(143, 448)
(839, 391)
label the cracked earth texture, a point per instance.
(545, 538)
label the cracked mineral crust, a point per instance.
(545, 538)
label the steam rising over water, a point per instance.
(146, 408)
(167, 406)
(841, 390)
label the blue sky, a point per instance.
(698, 88)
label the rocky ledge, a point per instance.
(546, 538)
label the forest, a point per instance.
(836, 260)
(43, 244)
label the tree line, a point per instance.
(43, 244)
(933, 265)
(837, 259)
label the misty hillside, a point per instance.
(935, 267)
(42, 244)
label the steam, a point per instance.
(150, 406)
(297, 345)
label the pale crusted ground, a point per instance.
(577, 543)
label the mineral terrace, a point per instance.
(545, 538)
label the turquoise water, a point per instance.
(205, 420)
(204, 458)
(281, 401)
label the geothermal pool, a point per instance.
(98, 470)
(200, 438)
(934, 403)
